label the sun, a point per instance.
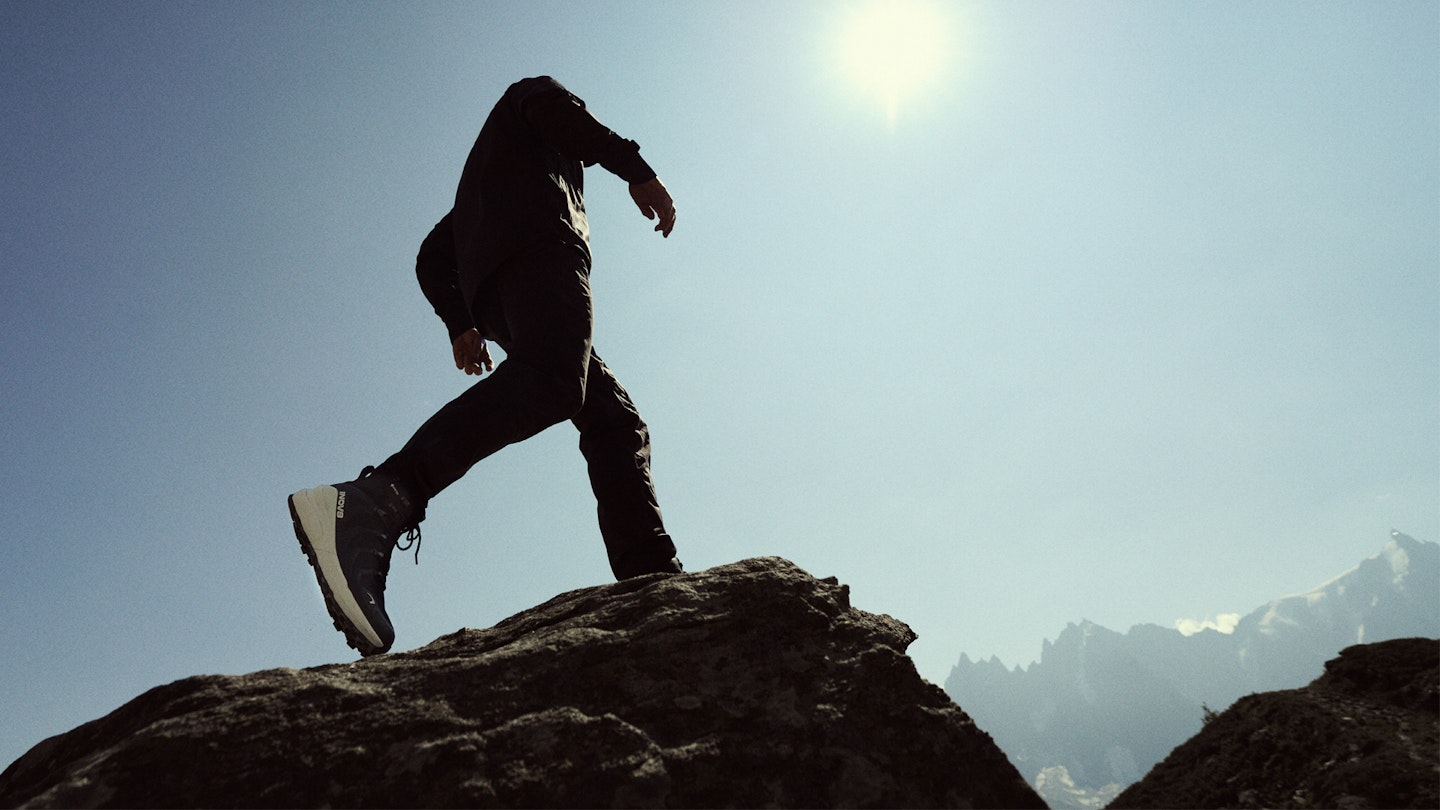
(893, 50)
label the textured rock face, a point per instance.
(1366, 734)
(751, 684)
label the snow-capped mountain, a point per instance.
(1100, 708)
(1394, 594)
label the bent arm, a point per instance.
(564, 124)
(435, 268)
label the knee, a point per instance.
(562, 399)
(548, 395)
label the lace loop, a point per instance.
(409, 541)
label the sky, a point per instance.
(1127, 312)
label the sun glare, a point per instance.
(893, 50)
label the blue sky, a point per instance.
(1131, 312)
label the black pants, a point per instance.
(537, 308)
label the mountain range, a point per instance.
(1100, 708)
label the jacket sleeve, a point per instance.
(435, 267)
(566, 126)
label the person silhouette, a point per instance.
(510, 263)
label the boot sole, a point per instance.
(312, 511)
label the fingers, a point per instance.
(654, 202)
(666, 218)
(666, 215)
(479, 362)
(472, 353)
(667, 221)
(462, 347)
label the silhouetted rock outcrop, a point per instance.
(1366, 734)
(750, 684)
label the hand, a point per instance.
(654, 201)
(472, 355)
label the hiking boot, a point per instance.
(348, 532)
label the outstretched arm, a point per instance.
(655, 203)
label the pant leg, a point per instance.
(538, 309)
(616, 444)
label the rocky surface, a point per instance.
(752, 684)
(1366, 734)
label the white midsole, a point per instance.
(316, 510)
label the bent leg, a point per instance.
(616, 444)
(539, 310)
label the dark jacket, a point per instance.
(523, 185)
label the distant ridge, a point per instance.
(1101, 708)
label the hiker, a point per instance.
(509, 263)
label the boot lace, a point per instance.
(411, 538)
(409, 541)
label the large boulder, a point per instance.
(752, 684)
(1366, 734)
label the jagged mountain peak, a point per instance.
(1076, 639)
(1400, 538)
(1389, 588)
(1403, 550)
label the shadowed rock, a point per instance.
(1366, 734)
(752, 684)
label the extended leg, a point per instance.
(616, 444)
(538, 309)
(541, 309)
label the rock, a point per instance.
(752, 684)
(1366, 734)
